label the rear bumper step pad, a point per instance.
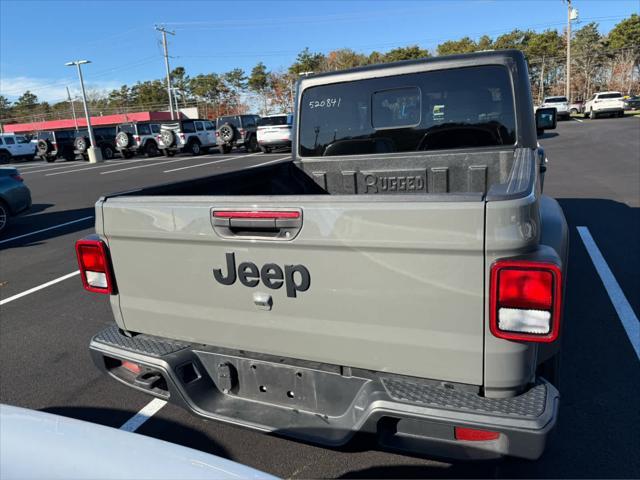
(328, 404)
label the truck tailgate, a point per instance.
(393, 286)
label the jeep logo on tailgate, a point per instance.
(271, 275)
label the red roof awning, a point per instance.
(95, 121)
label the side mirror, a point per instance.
(546, 119)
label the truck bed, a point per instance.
(462, 175)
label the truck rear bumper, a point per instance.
(328, 404)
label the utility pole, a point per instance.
(291, 93)
(166, 64)
(175, 101)
(572, 14)
(73, 109)
(567, 91)
(541, 82)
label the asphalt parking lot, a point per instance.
(594, 172)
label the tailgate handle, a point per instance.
(268, 224)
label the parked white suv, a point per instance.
(16, 147)
(604, 103)
(133, 138)
(192, 136)
(274, 131)
(561, 104)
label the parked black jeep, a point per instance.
(54, 144)
(237, 131)
(105, 139)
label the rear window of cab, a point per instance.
(442, 109)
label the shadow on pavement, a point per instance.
(163, 429)
(37, 208)
(548, 135)
(26, 224)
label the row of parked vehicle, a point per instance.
(193, 136)
(600, 103)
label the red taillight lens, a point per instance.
(525, 288)
(17, 177)
(241, 131)
(525, 300)
(475, 435)
(95, 269)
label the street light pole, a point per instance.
(94, 153)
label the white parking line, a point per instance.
(148, 411)
(145, 166)
(39, 287)
(577, 119)
(45, 229)
(267, 163)
(626, 314)
(60, 167)
(111, 164)
(211, 163)
(31, 165)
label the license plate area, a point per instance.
(291, 386)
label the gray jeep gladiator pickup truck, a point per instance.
(400, 278)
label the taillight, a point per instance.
(241, 131)
(217, 133)
(136, 138)
(475, 435)
(17, 176)
(95, 269)
(182, 136)
(525, 300)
